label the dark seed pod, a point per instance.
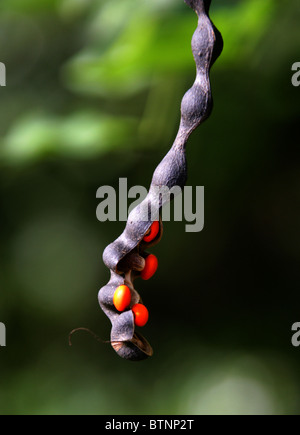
(125, 257)
(172, 169)
(132, 261)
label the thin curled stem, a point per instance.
(93, 334)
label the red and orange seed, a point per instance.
(154, 230)
(122, 297)
(151, 264)
(141, 314)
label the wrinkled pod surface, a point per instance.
(127, 257)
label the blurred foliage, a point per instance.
(93, 94)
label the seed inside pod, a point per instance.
(122, 297)
(141, 314)
(150, 267)
(154, 230)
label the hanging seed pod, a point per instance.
(132, 261)
(126, 257)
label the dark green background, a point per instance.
(93, 94)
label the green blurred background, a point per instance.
(93, 94)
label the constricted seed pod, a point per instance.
(126, 257)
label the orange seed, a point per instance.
(151, 264)
(122, 297)
(154, 230)
(141, 314)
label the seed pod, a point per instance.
(132, 261)
(125, 256)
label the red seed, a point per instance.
(151, 264)
(154, 230)
(141, 314)
(122, 297)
